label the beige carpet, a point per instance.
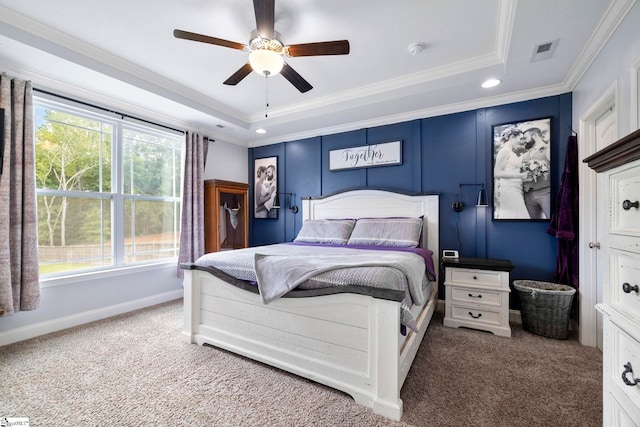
(134, 370)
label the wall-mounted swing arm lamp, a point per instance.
(482, 201)
(292, 207)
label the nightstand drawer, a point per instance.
(471, 316)
(476, 296)
(476, 277)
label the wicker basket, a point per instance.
(545, 307)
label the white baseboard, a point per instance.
(42, 328)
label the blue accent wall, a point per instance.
(438, 154)
(302, 180)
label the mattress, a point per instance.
(387, 282)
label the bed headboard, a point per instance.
(380, 204)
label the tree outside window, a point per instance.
(108, 191)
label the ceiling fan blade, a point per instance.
(295, 79)
(239, 75)
(180, 34)
(338, 47)
(265, 17)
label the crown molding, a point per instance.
(613, 17)
(382, 88)
(91, 96)
(506, 18)
(32, 33)
(418, 114)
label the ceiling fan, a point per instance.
(266, 49)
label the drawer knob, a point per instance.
(475, 277)
(475, 296)
(627, 288)
(474, 316)
(628, 204)
(629, 370)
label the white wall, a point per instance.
(84, 298)
(612, 65)
(227, 161)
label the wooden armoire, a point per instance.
(226, 218)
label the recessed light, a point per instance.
(261, 131)
(490, 83)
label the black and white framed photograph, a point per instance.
(265, 172)
(522, 171)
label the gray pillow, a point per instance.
(331, 231)
(397, 232)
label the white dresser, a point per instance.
(620, 164)
(477, 294)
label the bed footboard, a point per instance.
(345, 341)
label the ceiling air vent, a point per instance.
(544, 50)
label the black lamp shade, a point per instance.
(482, 198)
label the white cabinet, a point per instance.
(621, 294)
(477, 294)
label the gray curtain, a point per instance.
(192, 227)
(19, 280)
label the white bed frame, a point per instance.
(349, 342)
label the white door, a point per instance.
(606, 132)
(598, 129)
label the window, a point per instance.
(108, 190)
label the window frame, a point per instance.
(116, 196)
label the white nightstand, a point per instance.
(477, 294)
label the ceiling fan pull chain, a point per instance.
(266, 108)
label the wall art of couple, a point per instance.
(266, 187)
(522, 169)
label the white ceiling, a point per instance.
(122, 53)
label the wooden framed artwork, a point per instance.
(522, 170)
(265, 173)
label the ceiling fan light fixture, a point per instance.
(266, 62)
(266, 49)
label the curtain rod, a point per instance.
(107, 110)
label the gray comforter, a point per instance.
(279, 268)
